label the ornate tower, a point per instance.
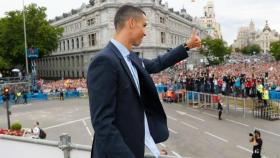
(209, 10)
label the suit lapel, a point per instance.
(146, 78)
(137, 63)
(124, 65)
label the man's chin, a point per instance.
(136, 44)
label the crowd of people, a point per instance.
(67, 84)
(239, 79)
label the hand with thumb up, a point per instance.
(194, 41)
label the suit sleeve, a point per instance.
(102, 88)
(164, 61)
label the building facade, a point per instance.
(208, 21)
(248, 35)
(89, 28)
(267, 36)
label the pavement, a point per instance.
(194, 133)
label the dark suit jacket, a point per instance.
(116, 108)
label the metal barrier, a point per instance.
(268, 112)
(33, 148)
(235, 105)
(201, 100)
(47, 96)
(274, 95)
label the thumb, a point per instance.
(194, 32)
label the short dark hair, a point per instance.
(124, 13)
(257, 132)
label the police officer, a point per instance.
(265, 96)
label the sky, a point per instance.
(231, 14)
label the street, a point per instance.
(194, 133)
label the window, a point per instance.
(68, 61)
(91, 21)
(162, 20)
(59, 46)
(73, 44)
(78, 74)
(64, 45)
(77, 42)
(73, 61)
(78, 61)
(64, 62)
(68, 46)
(162, 35)
(82, 41)
(92, 39)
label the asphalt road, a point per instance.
(194, 133)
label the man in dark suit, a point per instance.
(125, 109)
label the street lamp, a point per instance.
(25, 43)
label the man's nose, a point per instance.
(144, 33)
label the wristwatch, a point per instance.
(186, 46)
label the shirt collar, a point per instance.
(123, 50)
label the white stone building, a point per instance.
(208, 21)
(89, 28)
(267, 36)
(248, 36)
(245, 36)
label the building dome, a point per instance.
(266, 27)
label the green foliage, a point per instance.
(249, 50)
(215, 50)
(237, 50)
(275, 49)
(16, 126)
(40, 34)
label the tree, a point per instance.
(237, 50)
(275, 49)
(40, 34)
(249, 50)
(215, 50)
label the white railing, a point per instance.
(14, 147)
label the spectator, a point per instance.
(61, 95)
(36, 130)
(25, 96)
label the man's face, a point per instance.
(257, 135)
(138, 30)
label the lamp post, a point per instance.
(6, 98)
(25, 43)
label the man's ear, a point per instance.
(131, 23)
